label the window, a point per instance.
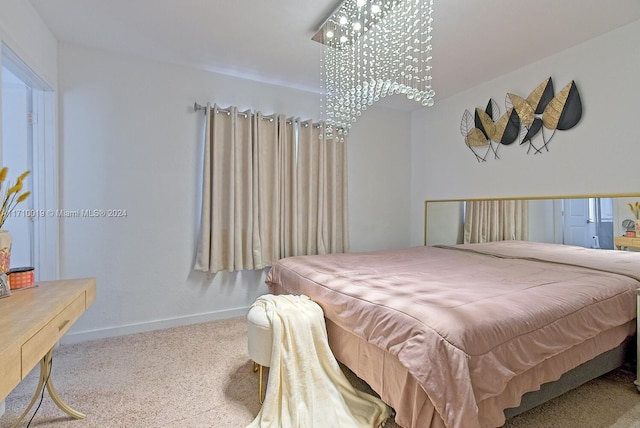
(28, 142)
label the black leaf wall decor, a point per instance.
(508, 128)
(485, 123)
(525, 120)
(532, 130)
(493, 109)
(564, 110)
(484, 120)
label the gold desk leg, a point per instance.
(45, 379)
(43, 375)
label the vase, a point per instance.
(5, 251)
(638, 228)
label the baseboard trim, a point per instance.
(82, 336)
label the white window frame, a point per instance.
(46, 245)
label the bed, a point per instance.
(454, 336)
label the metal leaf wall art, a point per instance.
(524, 120)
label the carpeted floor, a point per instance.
(201, 376)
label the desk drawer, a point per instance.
(41, 342)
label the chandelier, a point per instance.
(374, 48)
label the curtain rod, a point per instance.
(197, 107)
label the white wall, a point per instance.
(379, 180)
(130, 140)
(596, 156)
(24, 32)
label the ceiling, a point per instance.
(270, 40)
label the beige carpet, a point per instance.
(201, 376)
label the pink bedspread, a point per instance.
(464, 324)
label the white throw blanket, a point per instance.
(307, 388)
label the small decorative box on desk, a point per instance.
(21, 277)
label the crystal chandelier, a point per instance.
(374, 48)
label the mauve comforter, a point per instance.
(466, 320)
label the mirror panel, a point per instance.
(444, 219)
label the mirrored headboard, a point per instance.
(444, 218)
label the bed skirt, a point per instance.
(395, 385)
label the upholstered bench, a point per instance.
(260, 341)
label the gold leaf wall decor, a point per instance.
(523, 108)
(476, 140)
(485, 124)
(524, 119)
(541, 95)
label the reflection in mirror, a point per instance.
(587, 221)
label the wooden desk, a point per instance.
(622, 242)
(31, 323)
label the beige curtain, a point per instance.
(272, 188)
(487, 221)
(316, 209)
